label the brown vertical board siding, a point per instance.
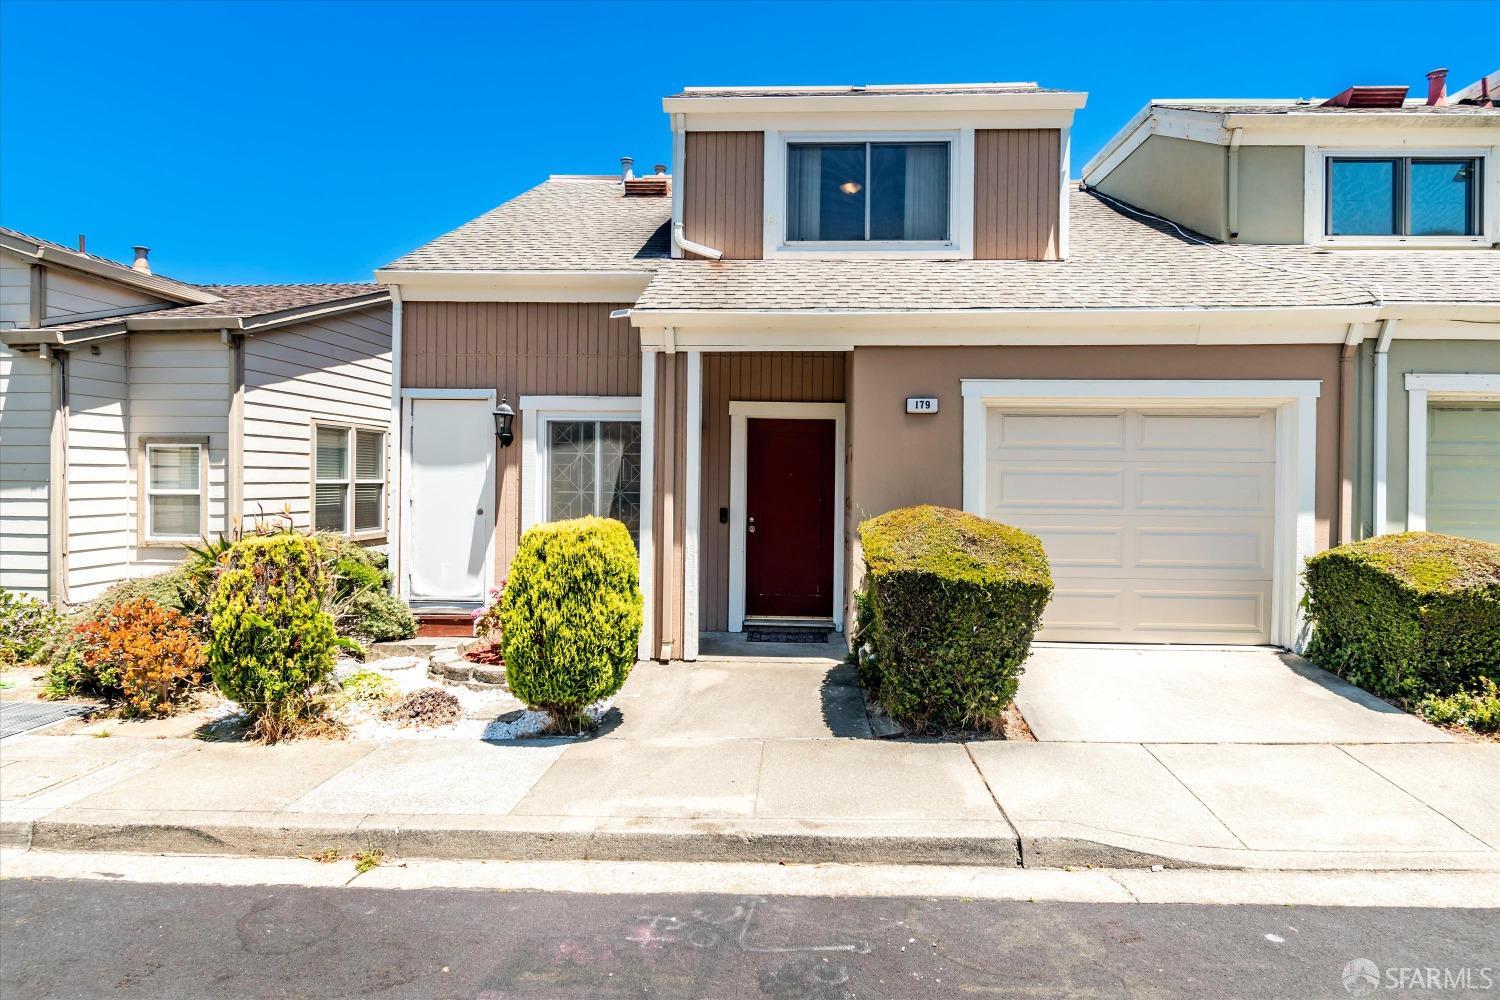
(1016, 193)
(759, 377)
(723, 192)
(519, 348)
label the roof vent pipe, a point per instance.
(626, 173)
(1437, 88)
(661, 169)
(82, 243)
(141, 263)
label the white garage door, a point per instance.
(1158, 522)
(1463, 469)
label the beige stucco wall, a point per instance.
(1271, 179)
(1406, 356)
(897, 460)
(1180, 179)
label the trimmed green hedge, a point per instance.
(1407, 615)
(950, 607)
(571, 617)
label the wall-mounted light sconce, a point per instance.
(503, 417)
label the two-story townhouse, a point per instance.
(139, 414)
(1402, 194)
(847, 299)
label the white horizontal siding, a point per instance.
(70, 293)
(338, 369)
(99, 483)
(179, 385)
(15, 291)
(25, 454)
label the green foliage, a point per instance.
(271, 641)
(1407, 615)
(354, 575)
(953, 603)
(172, 590)
(377, 616)
(27, 627)
(1478, 710)
(368, 686)
(571, 618)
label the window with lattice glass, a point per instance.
(594, 467)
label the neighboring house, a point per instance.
(139, 414)
(844, 300)
(1360, 183)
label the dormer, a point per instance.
(942, 171)
(1367, 168)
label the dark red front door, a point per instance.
(789, 518)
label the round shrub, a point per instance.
(952, 602)
(571, 617)
(376, 616)
(1407, 615)
(271, 643)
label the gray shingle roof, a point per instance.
(244, 301)
(562, 224)
(1116, 261)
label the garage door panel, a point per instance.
(1051, 431)
(1158, 522)
(1463, 469)
(1227, 489)
(1019, 486)
(1216, 437)
(1243, 548)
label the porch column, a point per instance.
(647, 650)
(692, 498)
(668, 554)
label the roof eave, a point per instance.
(876, 102)
(154, 283)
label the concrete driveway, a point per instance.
(1075, 693)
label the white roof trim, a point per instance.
(516, 286)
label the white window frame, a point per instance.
(1423, 388)
(960, 240)
(351, 479)
(1315, 195)
(145, 535)
(537, 411)
(1293, 401)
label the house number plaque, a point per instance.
(921, 404)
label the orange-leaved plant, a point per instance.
(151, 652)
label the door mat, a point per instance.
(808, 635)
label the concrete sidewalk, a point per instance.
(765, 762)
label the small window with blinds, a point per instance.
(172, 492)
(348, 480)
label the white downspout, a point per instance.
(1234, 182)
(395, 501)
(1382, 430)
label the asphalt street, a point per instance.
(74, 938)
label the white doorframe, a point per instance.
(739, 413)
(403, 527)
(1295, 403)
(1421, 388)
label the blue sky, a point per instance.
(258, 142)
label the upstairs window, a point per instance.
(1403, 196)
(849, 192)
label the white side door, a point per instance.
(450, 488)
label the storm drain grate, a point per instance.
(21, 716)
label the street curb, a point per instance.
(16, 834)
(497, 842)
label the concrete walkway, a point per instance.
(765, 761)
